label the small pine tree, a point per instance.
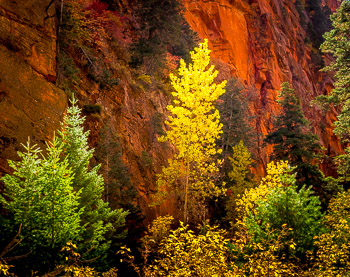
(298, 209)
(119, 190)
(40, 197)
(292, 141)
(233, 108)
(99, 222)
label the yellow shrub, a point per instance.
(333, 254)
(262, 259)
(184, 253)
(248, 202)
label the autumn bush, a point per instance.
(333, 246)
(185, 253)
(263, 258)
(240, 178)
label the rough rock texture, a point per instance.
(332, 4)
(265, 44)
(30, 104)
(129, 114)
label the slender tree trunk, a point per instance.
(186, 191)
(107, 179)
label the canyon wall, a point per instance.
(265, 43)
(260, 42)
(31, 106)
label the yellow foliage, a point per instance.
(159, 230)
(86, 271)
(79, 271)
(146, 78)
(240, 161)
(112, 272)
(274, 178)
(184, 253)
(262, 259)
(333, 254)
(194, 126)
(4, 268)
(74, 266)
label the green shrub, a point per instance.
(299, 210)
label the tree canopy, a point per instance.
(194, 126)
(292, 140)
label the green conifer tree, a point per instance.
(40, 198)
(233, 108)
(337, 43)
(99, 222)
(161, 27)
(292, 141)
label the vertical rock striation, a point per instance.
(265, 43)
(30, 104)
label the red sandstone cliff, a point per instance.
(30, 103)
(261, 42)
(264, 44)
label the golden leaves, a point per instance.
(194, 126)
(183, 253)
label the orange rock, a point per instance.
(31, 106)
(264, 44)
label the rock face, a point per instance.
(131, 116)
(260, 42)
(30, 104)
(264, 42)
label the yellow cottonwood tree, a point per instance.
(333, 254)
(194, 126)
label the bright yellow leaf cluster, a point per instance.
(183, 253)
(240, 162)
(333, 254)
(4, 269)
(194, 126)
(159, 230)
(194, 121)
(273, 179)
(262, 259)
